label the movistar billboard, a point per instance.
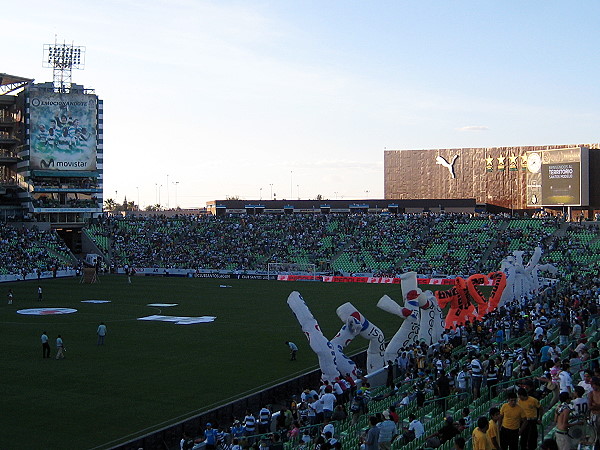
(62, 130)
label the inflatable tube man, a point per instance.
(520, 280)
(331, 360)
(484, 303)
(355, 320)
(461, 308)
(432, 323)
(408, 332)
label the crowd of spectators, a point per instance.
(453, 392)
(432, 245)
(379, 245)
(26, 250)
(522, 235)
(236, 243)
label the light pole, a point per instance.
(367, 193)
(176, 183)
(260, 193)
(298, 187)
(336, 194)
(167, 191)
(156, 193)
(159, 188)
(291, 184)
(271, 184)
(138, 193)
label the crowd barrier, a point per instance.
(376, 280)
(168, 437)
(42, 275)
(223, 274)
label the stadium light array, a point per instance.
(63, 58)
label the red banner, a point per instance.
(377, 280)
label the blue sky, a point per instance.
(226, 98)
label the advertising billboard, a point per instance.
(558, 177)
(62, 131)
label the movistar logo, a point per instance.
(71, 164)
(51, 163)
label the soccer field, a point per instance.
(150, 374)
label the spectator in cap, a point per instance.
(210, 437)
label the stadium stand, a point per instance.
(427, 243)
(378, 245)
(26, 250)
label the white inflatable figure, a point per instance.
(509, 268)
(522, 281)
(518, 255)
(348, 331)
(432, 323)
(319, 343)
(534, 266)
(359, 325)
(408, 332)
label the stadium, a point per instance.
(199, 311)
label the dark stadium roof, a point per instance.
(9, 83)
(340, 206)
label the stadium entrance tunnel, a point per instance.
(71, 237)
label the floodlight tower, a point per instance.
(63, 58)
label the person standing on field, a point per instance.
(45, 345)
(60, 348)
(293, 350)
(101, 333)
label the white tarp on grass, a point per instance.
(179, 320)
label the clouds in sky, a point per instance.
(474, 128)
(229, 97)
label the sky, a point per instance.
(205, 100)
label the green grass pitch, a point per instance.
(151, 374)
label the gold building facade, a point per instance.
(495, 176)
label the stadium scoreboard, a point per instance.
(558, 177)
